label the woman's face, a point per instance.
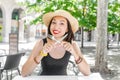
(58, 26)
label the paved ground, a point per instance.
(88, 51)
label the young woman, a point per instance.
(52, 52)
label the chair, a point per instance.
(73, 67)
(2, 58)
(12, 63)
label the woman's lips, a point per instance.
(56, 32)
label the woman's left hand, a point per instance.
(68, 47)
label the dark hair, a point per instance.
(70, 33)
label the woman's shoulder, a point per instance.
(74, 43)
(41, 40)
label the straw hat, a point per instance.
(73, 21)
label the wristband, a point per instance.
(43, 54)
(79, 60)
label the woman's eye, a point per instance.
(62, 23)
(53, 22)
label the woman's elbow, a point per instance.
(86, 70)
(23, 74)
(87, 74)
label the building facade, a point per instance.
(10, 19)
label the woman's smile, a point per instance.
(56, 31)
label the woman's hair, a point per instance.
(70, 35)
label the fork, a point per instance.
(57, 41)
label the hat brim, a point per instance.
(73, 21)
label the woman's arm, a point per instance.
(83, 65)
(76, 52)
(38, 52)
(30, 64)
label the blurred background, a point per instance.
(98, 35)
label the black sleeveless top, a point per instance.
(51, 66)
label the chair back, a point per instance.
(12, 61)
(2, 57)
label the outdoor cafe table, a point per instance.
(93, 76)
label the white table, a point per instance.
(94, 76)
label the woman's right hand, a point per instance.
(48, 47)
